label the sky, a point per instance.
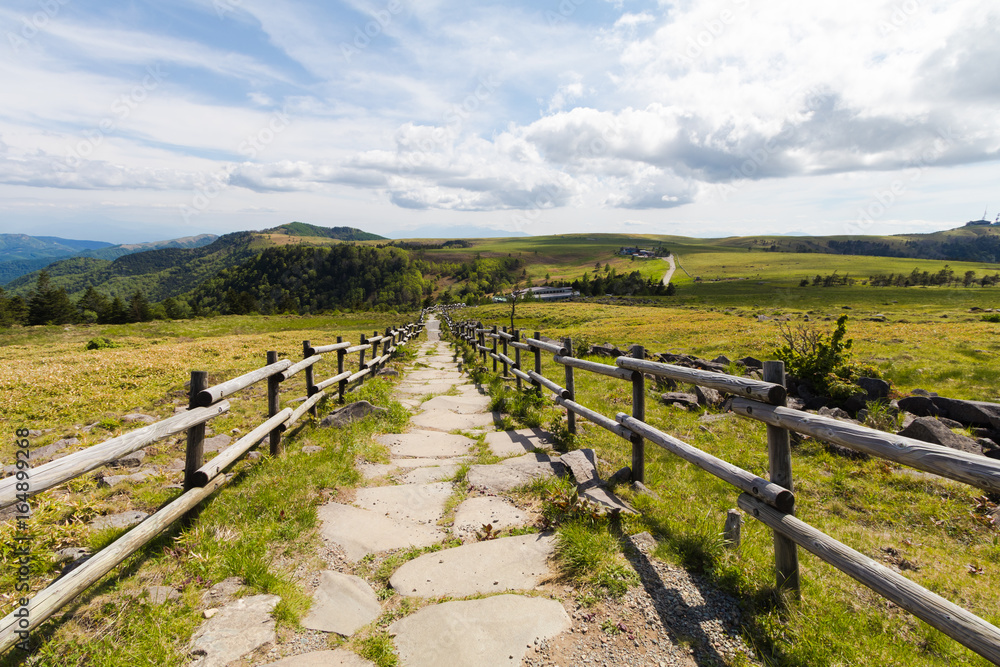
(128, 121)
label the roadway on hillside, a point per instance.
(670, 272)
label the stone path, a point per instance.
(482, 603)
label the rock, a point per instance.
(515, 472)
(680, 398)
(751, 363)
(491, 632)
(222, 592)
(463, 405)
(426, 444)
(161, 594)
(134, 478)
(209, 613)
(856, 402)
(521, 441)
(240, 627)
(343, 603)
(429, 474)
(133, 460)
(494, 566)
(582, 463)
(420, 503)
(921, 406)
(835, 413)
(70, 554)
(217, 443)
(137, 417)
(929, 429)
(338, 658)
(354, 411)
(923, 392)
(387, 373)
(950, 423)
(311, 449)
(446, 420)
(122, 520)
(707, 396)
(45, 453)
(977, 413)
(474, 513)
(722, 359)
(623, 476)
(874, 387)
(361, 532)
(605, 350)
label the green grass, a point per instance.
(873, 506)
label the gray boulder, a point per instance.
(874, 387)
(929, 429)
(977, 413)
(343, 416)
(680, 398)
(707, 396)
(921, 406)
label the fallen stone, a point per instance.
(474, 513)
(217, 443)
(421, 503)
(426, 444)
(514, 472)
(976, 413)
(133, 460)
(70, 554)
(621, 477)
(115, 480)
(463, 405)
(604, 497)
(521, 441)
(338, 658)
(492, 632)
(875, 388)
(161, 594)
(751, 363)
(835, 413)
(361, 532)
(722, 359)
(237, 629)
(349, 413)
(343, 603)
(583, 464)
(707, 396)
(388, 373)
(494, 566)
(429, 474)
(931, 430)
(680, 398)
(137, 417)
(605, 350)
(122, 520)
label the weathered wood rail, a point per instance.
(770, 501)
(201, 479)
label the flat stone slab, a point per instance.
(446, 420)
(514, 472)
(375, 470)
(463, 405)
(474, 513)
(361, 532)
(421, 444)
(343, 603)
(123, 520)
(422, 503)
(239, 628)
(494, 566)
(338, 658)
(493, 632)
(421, 389)
(426, 462)
(583, 464)
(511, 443)
(429, 474)
(434, 374)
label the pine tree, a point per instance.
(138, 308)
(50, 305)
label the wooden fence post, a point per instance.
(504, 343)
(309, 375)
(517, 356)
(195, 455)
(481, 337)
(570, 386)
(342, 385)
(273, 400)
(361, 364)
(638, 412)
(494, 348)
(779, 455)
(538, 362)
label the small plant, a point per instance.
(822, 360)
(486, 533)
(992, 317)
(562, 438)
(613, 628)
(101, 343)
(882, 416)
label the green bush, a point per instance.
(101, 343)
(993, 317)
(823, 360)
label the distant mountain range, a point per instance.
(21, 254)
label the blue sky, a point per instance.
(131, 121)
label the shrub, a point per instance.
(993, 317)
(822, 360)
(101, 343)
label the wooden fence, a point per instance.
(770, 501)
(200, 479)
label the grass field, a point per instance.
(931, 529)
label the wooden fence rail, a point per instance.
(770, 501)
(201, 479)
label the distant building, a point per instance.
(548, 293)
